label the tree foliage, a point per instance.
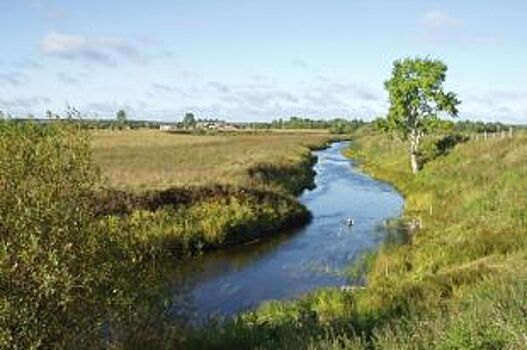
(417, 99)
(121, 119)
(189, 120)
(63, 271)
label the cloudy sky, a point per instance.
(255, 60)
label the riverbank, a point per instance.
(256, 202)
(187, 221)
(459, 283)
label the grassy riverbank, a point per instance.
(459, 284)
(188, 220)
(74, 270)
(184, 193)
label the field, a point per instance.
(151, 159)
(461, 281)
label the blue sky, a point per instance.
(255, 60)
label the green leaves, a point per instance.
(417, 100)
(58, 262)
(416, 94)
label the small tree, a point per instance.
(121, 119)
(416, 100)
(189, 121)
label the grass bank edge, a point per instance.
(187, 220)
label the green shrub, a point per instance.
(61, 270)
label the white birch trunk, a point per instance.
(415, 137)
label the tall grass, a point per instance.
(138, 160)
(185, 221)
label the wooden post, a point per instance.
(485, 135)
(510, 132)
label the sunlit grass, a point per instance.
(151, 159)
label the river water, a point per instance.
(283, 267)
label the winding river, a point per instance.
(232, 280)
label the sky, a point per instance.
(249, 60)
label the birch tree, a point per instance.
(417, 100)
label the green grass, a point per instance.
(186, 221)
(460, 283)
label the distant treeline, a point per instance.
(469, 126)
(103, 123)
(463, 126)
(337, 125)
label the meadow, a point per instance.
(150, 159)
(459, 283)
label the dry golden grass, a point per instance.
(151, 159)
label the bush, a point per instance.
(60, 268)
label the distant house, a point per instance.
(216, 125)
(167, 127)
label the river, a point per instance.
(232, 280)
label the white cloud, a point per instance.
(161, 88)
(47, 9)
(103, 50)
(441, 27)
(63, 44)
(496, 105)
(300, 63)
(219, 87)
(260, 98)
(321, 98)
(440, 20)
(67, 78)
(28, 63)
(24, 105)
